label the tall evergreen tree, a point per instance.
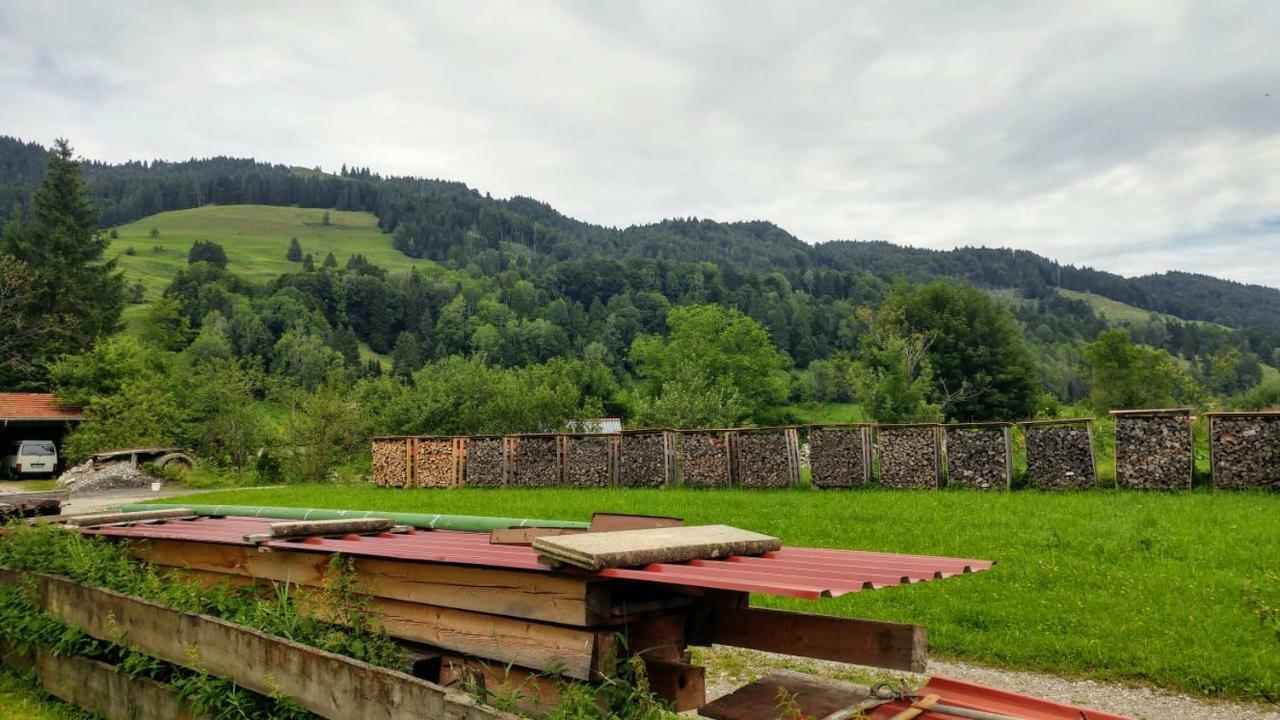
(64, 252)
(295, 251)
(330, 261)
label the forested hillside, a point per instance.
(295, 280)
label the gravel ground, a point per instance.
(100, 500)
(730, 668)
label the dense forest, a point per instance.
(543, 317)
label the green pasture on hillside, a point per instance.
(255, 237)
(1180, 591)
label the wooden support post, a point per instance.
(862, 642)
(106, 691)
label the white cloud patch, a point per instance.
(1137, 138)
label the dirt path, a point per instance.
(99, 500)
(729, 668)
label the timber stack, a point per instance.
(1154, 449)
(589, 460)
(979, 456)
(392, 461)
(767, 457)
(839, 455)
(1244, 450)
(706, 458)
(909, 455)
(486, 461)
(537, 460)
(437, 462)
(1060, 454)
(515, 612)
(646, 458)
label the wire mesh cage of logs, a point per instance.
(1154, 449)
(839, 455)
(705, 458)
(1060, 454)
(767, 457)
(590, 460)
(910, 455)
(486, 461)
(646, 458)
(979, 455)
(1244, 450)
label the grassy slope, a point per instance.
(255, 238)
(1130, 586)
(20, 700)
(1116, 311)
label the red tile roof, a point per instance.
(34, 406)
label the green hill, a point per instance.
(255, 237)
(1118, 312)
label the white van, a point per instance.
(28, 458)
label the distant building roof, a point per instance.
(35, 407)
(596, 425)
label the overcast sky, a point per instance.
(1135, 137)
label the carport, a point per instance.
(35, 416)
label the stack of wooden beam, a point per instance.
(508, 624)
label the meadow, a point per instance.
(1179, 591)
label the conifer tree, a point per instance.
(63, 250)
(308, 263)
(330, 261)
(295, 251)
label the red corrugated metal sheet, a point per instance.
(796, 572)
(992, 700)
(34, 406)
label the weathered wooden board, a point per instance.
(329, 685)
(111, 518)
(862, 642)
(106, 691)
(547, 597)
(630, 548)
(814, 697)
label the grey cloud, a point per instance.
(1137, 137)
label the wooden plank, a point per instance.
(568, 600)
(341, 526)
(112, 518)
(578, 653)
(811, 697)
(612, 522)
(862, 642)
(327, 684)
(630, 548)
(106, 691)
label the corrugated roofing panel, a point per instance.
(795, 572)
(970, 696)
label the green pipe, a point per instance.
(425, 521)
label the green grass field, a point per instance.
(20, 700)
(1116, 311)
(255, 237)
(1180, 591)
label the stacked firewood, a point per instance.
(768, 458)
(1245, 450)
(978, 457)
(1060, 457)
(588, 460)
(486, 462)
(434, 462)
(642, 459)
(390, 462)
(837, 456)
(908, 456)
(705, 460)
(1154, 452)
(537, 461)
